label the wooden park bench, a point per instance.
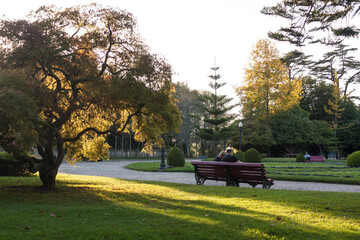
(316, 159)
(232, 173)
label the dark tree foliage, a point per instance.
(297, 62)
(257, 134)
(349, 128)
(315, 98)
(294, 132)
(309, 18)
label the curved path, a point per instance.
(116, 169)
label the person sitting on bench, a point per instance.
(230, 157)
(307, 157)
(220, 156)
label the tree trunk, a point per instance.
(50, 163)
(48, 177)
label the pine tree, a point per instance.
(316, 21)
(216, 119)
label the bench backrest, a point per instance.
(246, 171)
(317, 158)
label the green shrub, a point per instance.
(175, 158)
(240, 155)
(353, 160)
(252, 155)
(263, 155)
(9, 166)
(300, 157)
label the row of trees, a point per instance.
(288, 106)
(294, 103)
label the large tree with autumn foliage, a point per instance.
(267, 87)
(69, 76)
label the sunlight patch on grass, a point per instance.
(256, 233)
(112, 208)
(151, 198)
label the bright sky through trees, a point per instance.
(190, 33)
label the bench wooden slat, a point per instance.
(232, 173)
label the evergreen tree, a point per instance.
(316, 21)
(348, 68)
(216, 118)
(297, 63)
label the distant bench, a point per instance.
(231, 173)
(316, 159)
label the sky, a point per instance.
(190, 34)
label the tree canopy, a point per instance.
(267, 87)
(84, 72)
(316, 21)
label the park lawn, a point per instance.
(86, 207)
(291, 171)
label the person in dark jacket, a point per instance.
(230, 157)
(220, 156)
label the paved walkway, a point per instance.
(116, 169)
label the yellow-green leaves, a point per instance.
(267, 87)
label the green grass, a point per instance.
(86, 207)
(329, 172)
(154, 167)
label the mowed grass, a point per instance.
(85, 207)
(329, 172)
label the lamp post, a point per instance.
(162, 164)
(240, 128)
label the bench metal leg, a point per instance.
(232, 183)
(199, 180)
(266, 185)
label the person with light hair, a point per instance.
(220, 156)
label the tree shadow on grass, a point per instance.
(122, 209)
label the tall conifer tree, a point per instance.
(216, 120)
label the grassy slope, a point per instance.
(105, 208)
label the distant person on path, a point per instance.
(220, 156)
(230, 157)
(307, 157)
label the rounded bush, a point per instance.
(240, 155)
(300, 157)
(252, 155)
(353, 160)
(175, 158)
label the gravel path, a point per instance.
(116, 169)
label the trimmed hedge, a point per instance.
(240, 155)
(353, 160)
(300, 157)
(252, 156)
(176, 158)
